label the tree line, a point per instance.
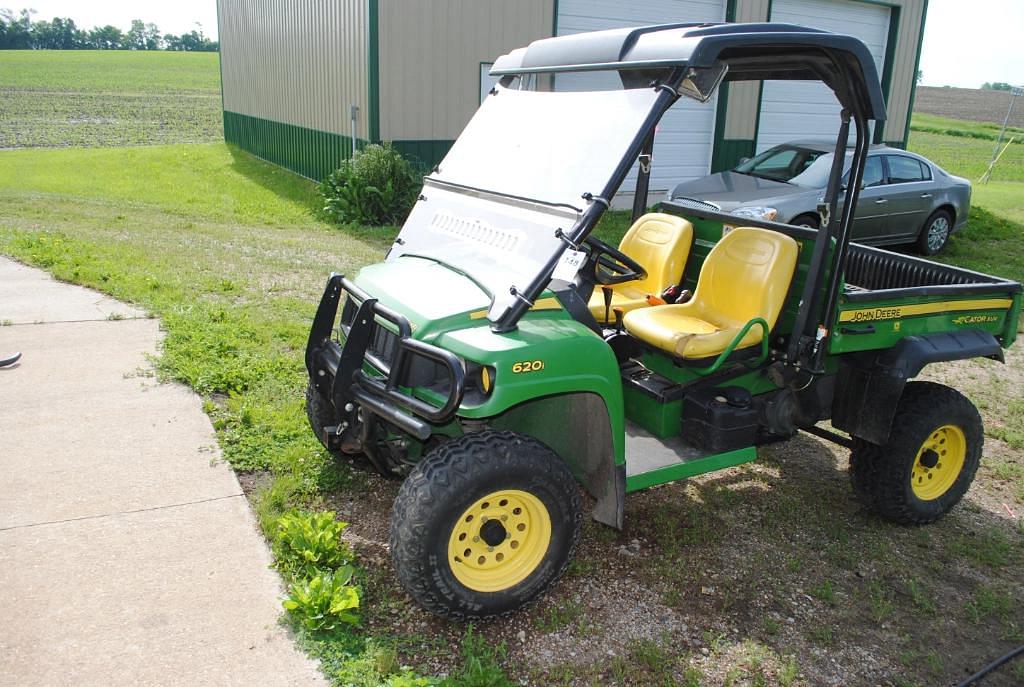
(20, 32)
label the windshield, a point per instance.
(787, 163)
(517, 174)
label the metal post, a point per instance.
(354, 113)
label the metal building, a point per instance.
(302, 78)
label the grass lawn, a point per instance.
(108, 98)
(958, 128)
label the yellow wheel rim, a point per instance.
(939, 462)
(499, 540)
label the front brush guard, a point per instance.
(337, 371)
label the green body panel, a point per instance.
(690, 468)
(660, 419)
(548, 354)
(311, 153)
(885, 321)
(1012, 322)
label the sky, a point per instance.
(969, 42)
(966, 42)
(177, 17)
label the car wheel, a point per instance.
(935, 232)
(809, 221)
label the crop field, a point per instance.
(108, 98)
(766, 574)
(968, 104)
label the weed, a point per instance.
(481, 665)
(649, 654)
(988, 602)
(771, 626)
(823, 634)
(309, 543)
(324, 603)
(559, 616)
(825, 592)
(991, 548)
(693, 677)
(881, 602)
(922, 600)
(789, 671)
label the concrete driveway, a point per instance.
(128, 554)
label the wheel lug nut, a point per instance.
(490, 548)
(476, 539)
(504, 518)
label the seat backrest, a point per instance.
(746, 275)
(661, 243)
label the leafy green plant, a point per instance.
(376, 186)
(325, 602)
(307, 544)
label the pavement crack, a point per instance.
(123, 512)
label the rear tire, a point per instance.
(935, 232)
(930, 460)
(484, 524)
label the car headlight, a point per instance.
(761, 212)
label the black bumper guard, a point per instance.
(337, 372)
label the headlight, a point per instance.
(757, 212)
(479, 382)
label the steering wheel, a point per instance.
(610, 265)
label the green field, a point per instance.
(108, 98)
(768, 574)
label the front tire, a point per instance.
(484, 524)
(320, 414)
(935, 232)
(930, 460)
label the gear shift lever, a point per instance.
(607, 292)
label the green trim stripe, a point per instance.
(308, 152)
(373, 70)
(671, 473)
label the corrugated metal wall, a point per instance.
(291, 70)
(904, 73)
(430, 56)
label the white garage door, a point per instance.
(683, 143)
(795, 110)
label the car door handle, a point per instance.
(926, 195)
(880, 201)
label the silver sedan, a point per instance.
(905, 197)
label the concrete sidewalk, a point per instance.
(128, 554)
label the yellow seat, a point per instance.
(745, 276)
(659, 242)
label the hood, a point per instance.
(429, 294)
(730, 190)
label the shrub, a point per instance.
(307, 544)
(324, 603)
(377, 186)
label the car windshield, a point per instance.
(517, 174)
(787, 163)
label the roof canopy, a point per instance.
(752, 52)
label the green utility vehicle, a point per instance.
(501, 356)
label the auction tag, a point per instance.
(569, 264)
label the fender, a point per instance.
(872, 382)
